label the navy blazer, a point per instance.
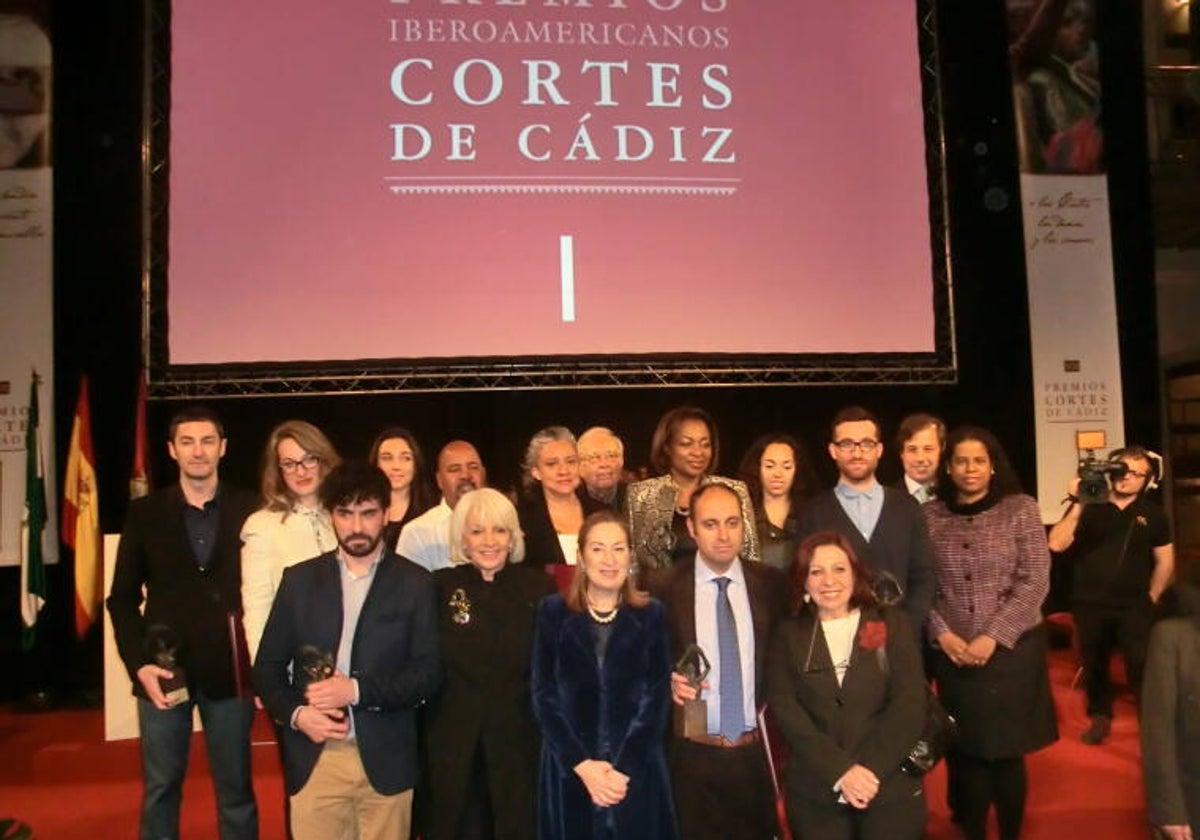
(899, 544)
(616, 712)
(196, 604)
(873, 718)
(394, 658)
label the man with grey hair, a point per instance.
(602, 465)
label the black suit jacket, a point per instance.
(394, 658)
(154, 552)
(766, 586)
(873, 718)
(899, 544)
(542, 547)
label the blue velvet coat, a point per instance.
(616, 713)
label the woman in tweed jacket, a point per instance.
(993, 572)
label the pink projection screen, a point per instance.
(542, 179)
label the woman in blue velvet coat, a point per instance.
(601, 695)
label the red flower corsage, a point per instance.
(873, 635)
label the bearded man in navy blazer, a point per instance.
(883, 524)
(350, 737)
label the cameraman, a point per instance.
(1124, 561)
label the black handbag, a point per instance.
(936, 739)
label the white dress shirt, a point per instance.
(706, 637)
(426, 539)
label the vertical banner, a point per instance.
(26, 316)
(1068, 244)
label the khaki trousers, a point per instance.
(338, 803)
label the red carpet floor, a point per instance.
(58, 776)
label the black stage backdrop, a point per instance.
(98, 246)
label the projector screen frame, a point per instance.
(209, 381)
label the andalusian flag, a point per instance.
(81, 516)
(33, 522)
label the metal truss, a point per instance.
(212, 382)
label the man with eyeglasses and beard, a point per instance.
(349, 652)
(884, 524)
(1124, 559)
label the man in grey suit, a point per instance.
(884, 525)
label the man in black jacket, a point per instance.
(349, 652)
(182, 544)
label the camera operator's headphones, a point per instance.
(1153, 458)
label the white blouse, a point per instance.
(839, 638)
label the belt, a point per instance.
(746, 738)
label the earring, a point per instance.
(807, 597)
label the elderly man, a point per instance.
(426, 540)
(601, 466)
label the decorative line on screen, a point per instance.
(573, 189)
(566, 260)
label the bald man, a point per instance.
(426, 540)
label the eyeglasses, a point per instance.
(594, 457)
(1136, 474)
(309, 462)
(848, 445)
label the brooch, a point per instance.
(460, 604)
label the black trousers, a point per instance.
(980, 783)
(902, 819)
(1102, 630)
(722, 793)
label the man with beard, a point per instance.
(884, 524)
(1124, 561)
(180, 555)
(426, 540)
(349, 652)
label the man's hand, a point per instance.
(682, 690)
(605, 785)
(148, 676)
(334, 692)
(858, 786)
(321, 726)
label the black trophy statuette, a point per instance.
(313, 665)
(164, 647)
(691, 718)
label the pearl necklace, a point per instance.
(603, 618)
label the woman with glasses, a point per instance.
(552, 507)
(844, 684)
(778, 475)
(398, 454)
(683, 451)
(993, 572)
(292, 525)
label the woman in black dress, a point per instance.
(480, 737)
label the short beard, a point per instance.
(359, 553)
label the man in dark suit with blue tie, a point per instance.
(883, 524)
(728, 608)
(349, 652)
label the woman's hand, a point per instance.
(980, 650)
(954, 646)
(858, 786)
(605, 785)
(1177, 832)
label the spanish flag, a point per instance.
(81, 516)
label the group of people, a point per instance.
(589, 657)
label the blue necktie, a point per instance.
(733, 715)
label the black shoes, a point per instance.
(1099, 729)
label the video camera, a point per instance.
(1094, 473)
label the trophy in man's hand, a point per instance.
(314, 665)
(692, 717)
(164, 648)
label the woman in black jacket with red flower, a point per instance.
(845, 685)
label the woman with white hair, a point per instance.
(482, 741)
